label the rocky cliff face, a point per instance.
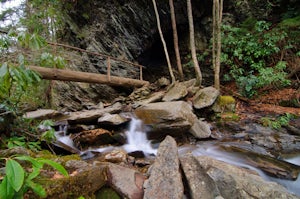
(127, 30)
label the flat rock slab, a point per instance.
(165, 178)
(237, 182)
(42, 114)
(127, 182)
(167, 117)
(176, 92)
(88, 116)
(112, 119)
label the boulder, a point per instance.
(177, 91)
(112, 119)
(165, 178)
(116, 156)
(200, 129)
(154, 97)
(42, 114)
(84, 182)
(127, 182)
(88, 116)
(205, 97)
(90, 138)
(236, 182)
(167, 117)
(200, 184)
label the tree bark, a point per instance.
(175, 37)
(163, 41)
(77, 76)
(217, 22)
(192, 43)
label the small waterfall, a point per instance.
(136, 141)
(137, 138)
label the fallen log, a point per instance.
(77, 76)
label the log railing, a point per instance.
(108, 58)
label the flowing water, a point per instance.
(137, 141)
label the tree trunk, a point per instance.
(192, 43)
(163, 42)
(175, 37)
(77, 76)
(217, 22)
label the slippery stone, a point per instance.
(235, 182)
(87, 116)
(116, 156)
(200, 129)
(165, 178)
(167, 117)
(41, 114)
(127, 182)
(176, 92)
(205, 97)
(112, 119)
(199, 182)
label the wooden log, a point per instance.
(77, 76)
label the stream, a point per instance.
(137, 141)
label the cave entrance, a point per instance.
(155, 60)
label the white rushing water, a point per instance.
(213, 151)
(137, 139)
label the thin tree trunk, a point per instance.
(217, 22)
(163, 42)
(192, 43)
(175, 37)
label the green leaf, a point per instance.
(3, 70)
(37, 188)
(56, 166)
(15, 174)
(6, 191)
(33, 161)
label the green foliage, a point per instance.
(250, 52)
(15, 81)
(18, 181)
(49, 135)
(20, 141)
(278, 122)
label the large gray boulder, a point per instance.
(205, 97)
(200, 184)
(169, 118)
(127, 182)
(236, 182)
(176, 92)
(200, 129)
(165, 179)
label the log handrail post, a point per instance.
(141, 72)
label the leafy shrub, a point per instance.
(17, 180)
(250, 53)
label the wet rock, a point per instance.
(167, 118)
(177, 91)
(112, 119)
(165, 178)
(90, 138)
(235, 182)
(88, 116)
(84, 182)
(205, 97)
(116, 156)
(76, 164)
(200, 129)
(127, 182)
(154, 97)
(14, 151)
(42, 114)
(199, 182)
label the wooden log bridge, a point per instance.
(77, 76)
